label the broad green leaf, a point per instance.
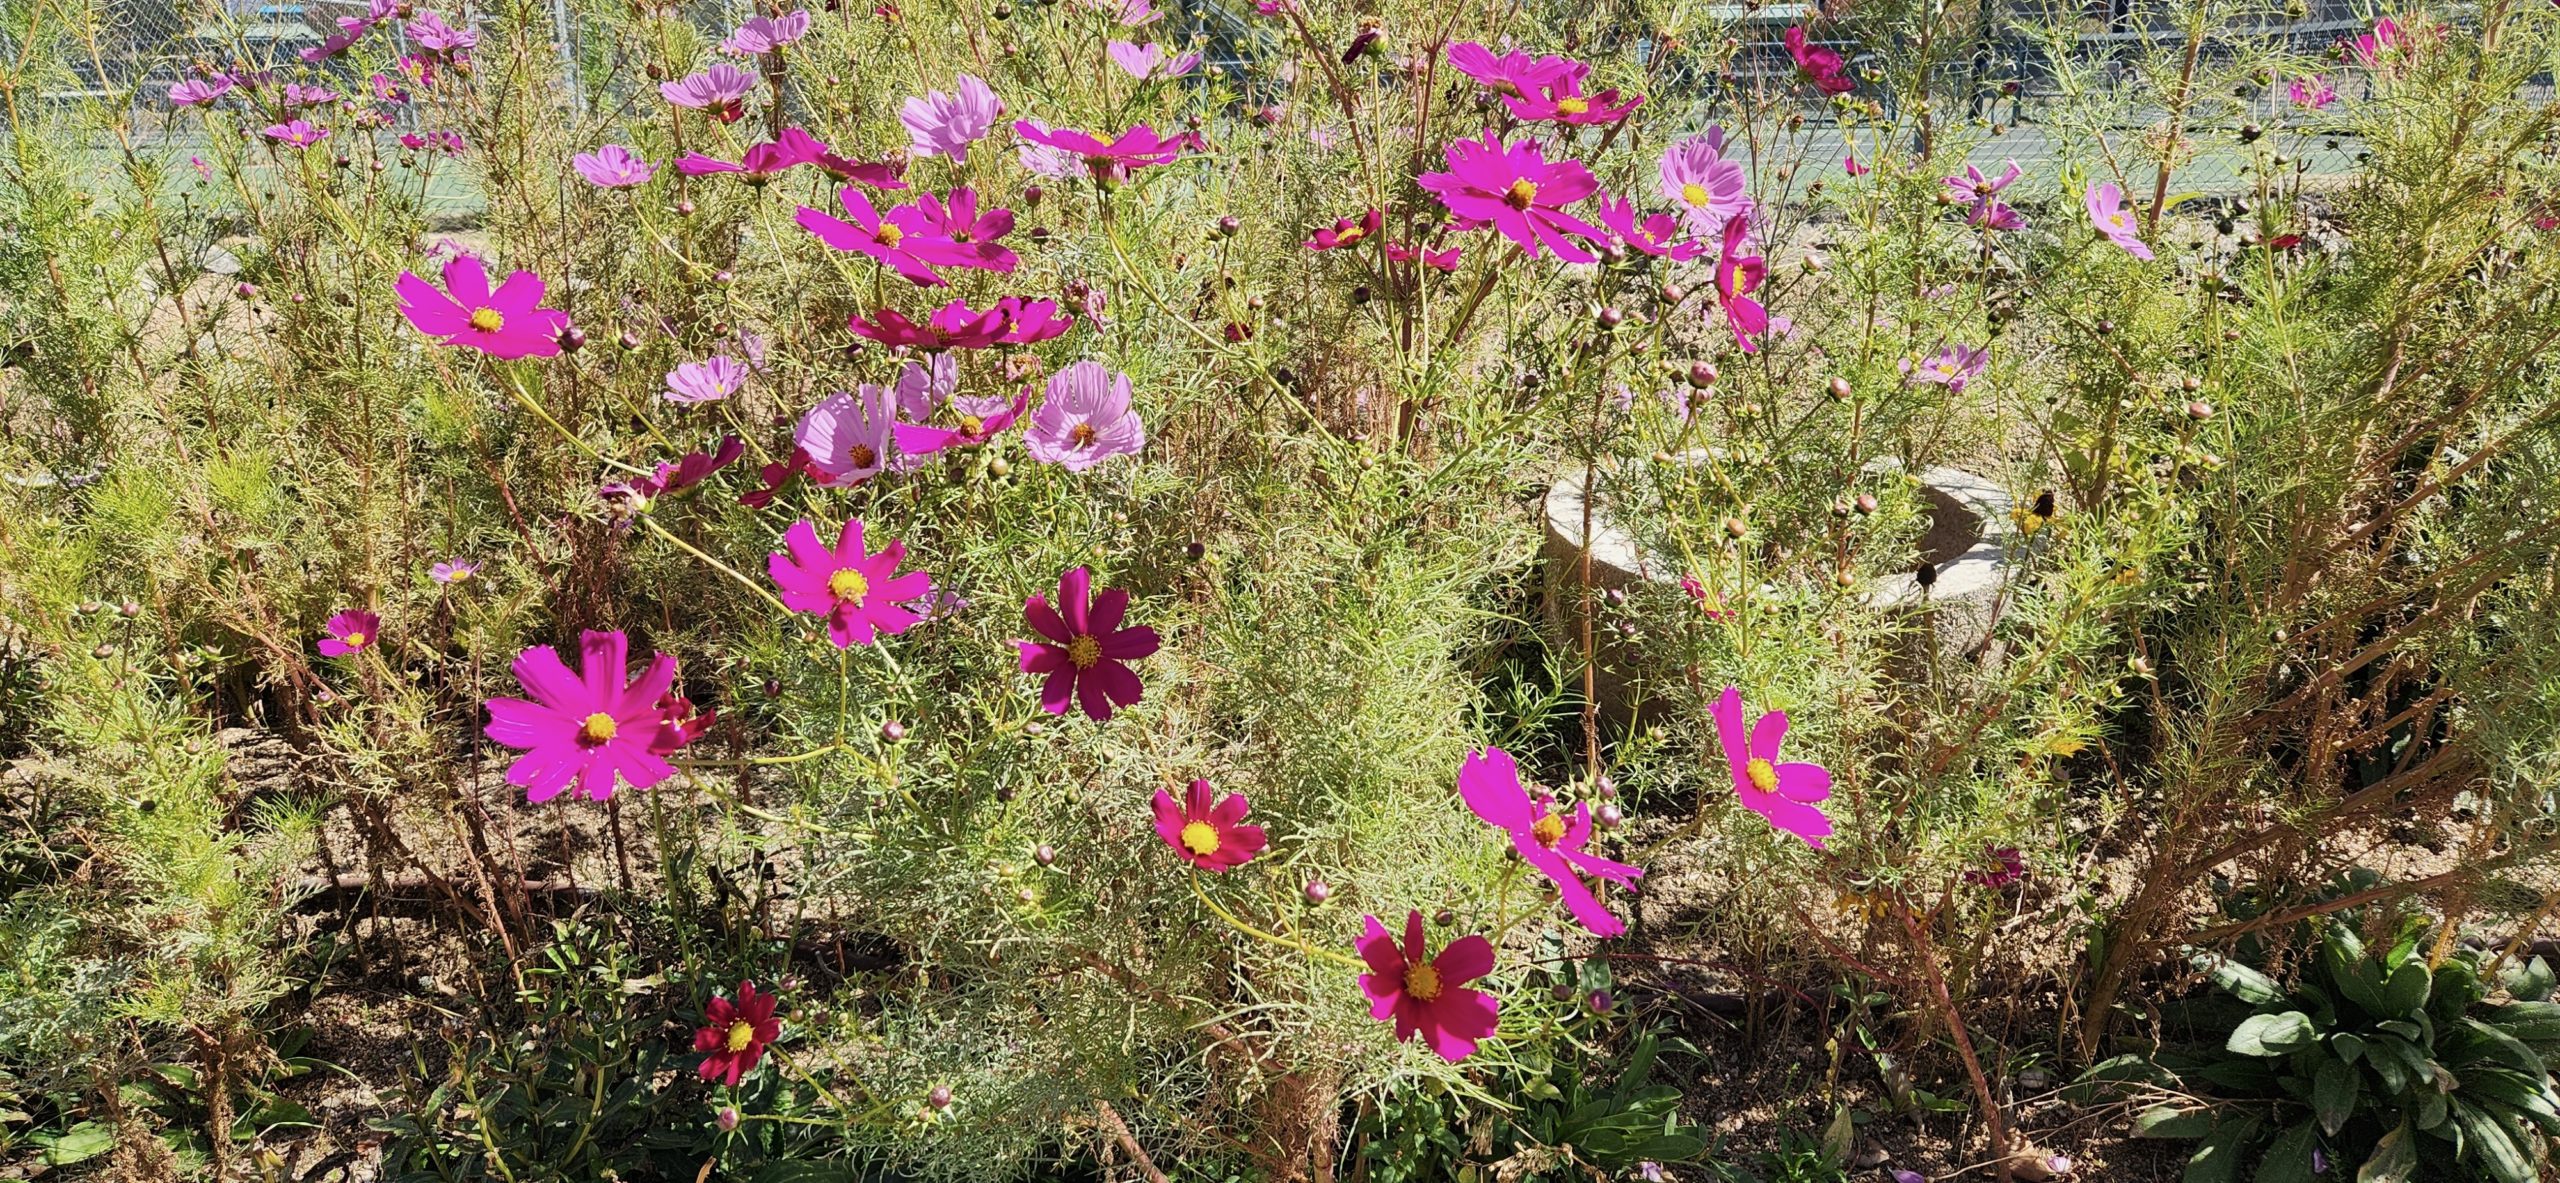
(2239, 981)
(2169, 1121)
(2529, 982)
(2394, 1158)
(2218, 1159)
(2406, 990)
(2272, 1035)
(2487, 1146)
(2335, 1085)
(2288, 1158)
(80, 1143)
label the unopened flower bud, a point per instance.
(572, 339)
(1839, 387)
(1228, 225)
(1318, 891)
(1044, 854)
(1608, 815)
(1444, 918)
(685, 207)
(1735, 527)
(1601, 1002)
(940, 1097)
(2199, 410)
(893, 731)
(1702, 374)
(728, 1118)
(1866, 503)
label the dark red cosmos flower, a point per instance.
(1820, 66)
(776, 476)
(1083, 652)
(735, 1035)
(2008, 867)
(690, 469)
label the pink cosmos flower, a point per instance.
(898, 239)
(2311, 91)
(1710, 605)
(1708, 190)
(1514, 73)
(440, 40)
(720, 91)
(734, 1036)
(1207, 834)
(1655, 234)
(1348, 231)
(956, 234)
(688, 470)
(1489, 782)
(2368, 48)
(759, 164)
(1995, 215)
(1514, 189)
(1085, 419)
(331, 46)
(946, 124)
(925, 384)
(296, 133)
(198, 92)
(980, 420)
(1084, 651)
(1111, 162)
(388, 89)
(1737, 276)
(507, 323)
(766, 34)
(1147, 62)
(862, 595)
(1429, 998)
(588, 728)
(453, 571)
(1987, 212)
(448, 142)
(1849, 164)
(707, 381)
(1010, 321)
(1820, 66)
(1562, 101)
(1952, 366)
(2007, 867)
(1446, 260)
(351, 632)
(298, 95)
(1786, 794)
(613, 167)
(2108, 213)
(844, 440)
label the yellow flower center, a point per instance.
(1548, 830)
(599, 728)
(1084, 651)
(741, 1034)
(1082, 435)
(1522, 194)
(1422, 982)
(972, 425)
(848, 586)
(1573, 106)
(1695, 194)
(862, 456)
(1350, 235)
(1200, 838)
(487, 320)
(888, 234)
(1761, 775)
(353, 640)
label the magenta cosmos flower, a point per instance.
(1085, 419)
(758, 164)
(1206, 833)
(862, 595)
(734, 1035)
(1562, 101)
(1011, 320)
(1654, 234)
(1429, 998)
(296, 133)
(1489, 782)
(1786, 794)
(1437, 260)
(845, 440)
(1109, 162)
(719, 92)
(2368, 48)
(351, 632)
(613, 167)
(941, 124)
(1084, 651)
(1737, 276)
(1821, 67)
(896, 239)
(2311, 91)
(506, 323)
(1514, 73)
(1348, 231)
(440, 40)
(1707, 189)
(1514, 189)
(980, 420)
(588, 728)
(2108, 213)
(956, 233)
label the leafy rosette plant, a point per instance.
(2371, 1063)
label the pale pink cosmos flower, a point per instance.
(925, 384)
(298, 95)
(440, 40)
(198, 92)
(1146, 62)
(613, 167)
(1550, 842)
(846, 438)
(1109, 161)
(1517, 191)
(296, 133)
(941, 124)
(1130, 13)
(1952, 366)
(720, 91)
(707, 381)
(1085, 419)
(1425, 995)
(1788, 794)
(2108, 213)
(453, 571)
(766, 34)
(862, 595)
(1707, 189)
